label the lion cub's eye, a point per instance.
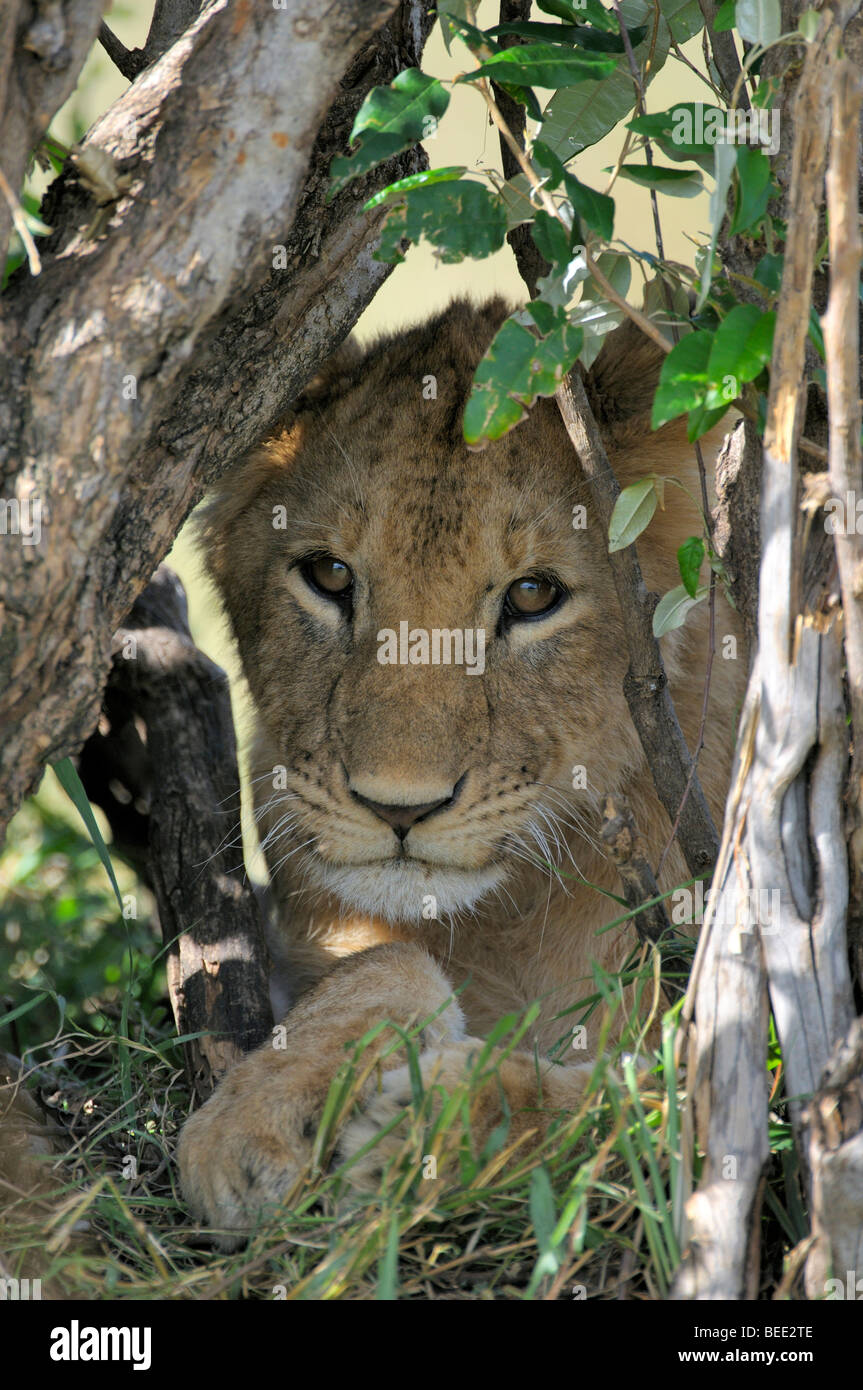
(531, 597)
(331, 576)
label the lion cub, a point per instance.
(435, 653)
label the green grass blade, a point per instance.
(389, 1265)
(72, 785)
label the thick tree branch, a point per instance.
(725, 57)
(170, 19)
(141, 365)
(42, 51)
(532, 266)
(842, 348)
(129, 61)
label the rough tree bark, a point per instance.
(140, 365)
(42, 51)
(784, 832)
(166, 741)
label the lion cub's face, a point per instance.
(430, 634)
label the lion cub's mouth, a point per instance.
(407, 889)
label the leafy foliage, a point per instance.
(720, 353)
(391, 119)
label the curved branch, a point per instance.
(141, 365)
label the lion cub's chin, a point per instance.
(410, 892)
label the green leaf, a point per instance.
(702, 419)
(14, 1014)
(542, 65)
(388, 1266)
(768, 272)
(578, 117)
(690, 558)
(617, 270)
(390, 194)
(596, 40)
(542, 1212)
(808, 23)
(577, 13)
(477, 40)
(753, 188)
(673, 608)
(724, 19)
(596, 317)
(519, 208)
(742, 347)
(596, 209)
(456, 10)
(459, 218)
(633, 510)
(516, 369)
(551, 238)
(666, 302)
(544, 315)
(683, 378)
(391, 119)
(688, 130)
(525, 96)
(683, 17)
(72, 785)
(723, 166)
(558, 288)
(679, 183)
(758, 21)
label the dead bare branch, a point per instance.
(777, 918)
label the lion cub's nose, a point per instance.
(401, 818)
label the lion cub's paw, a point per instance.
(241, 1153)
(532, 1104)
(245, 1150)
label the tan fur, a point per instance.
(371, 472)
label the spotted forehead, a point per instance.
(409, 484)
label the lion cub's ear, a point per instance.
(219, 521)
(331, 377)
(622, 381)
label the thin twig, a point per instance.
(20, 224)
(724, 54)
(620, 833)
(681, 57)
(640, 110)
(533, 179)
(643, 322)
(129, 61)
(646, 684)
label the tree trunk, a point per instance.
(143, 362)
(777, 920)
